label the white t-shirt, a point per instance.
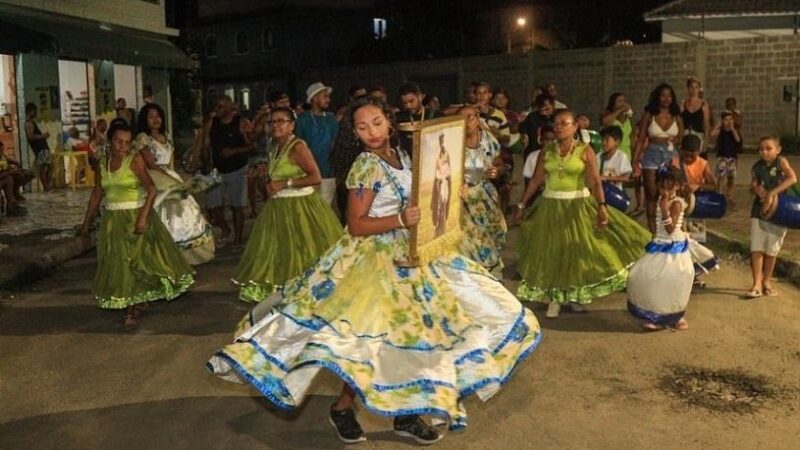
(530, 164)
(618, 165)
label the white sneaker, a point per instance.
(552, 310)
(577, 307)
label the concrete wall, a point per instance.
(748, 69)
(138, 14)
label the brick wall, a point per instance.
(749, 69)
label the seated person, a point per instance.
(13, 170)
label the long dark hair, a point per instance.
(653, 106)
(141, 118)
(347, 146)
(612, 100)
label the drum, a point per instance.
(787, 213)
(616, 197)
(706, 205)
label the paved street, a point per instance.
(71, 378)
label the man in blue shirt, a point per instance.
(318, 128)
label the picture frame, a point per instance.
(438, 174)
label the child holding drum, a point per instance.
(696, 177)
(776, 207)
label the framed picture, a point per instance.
(438, 175)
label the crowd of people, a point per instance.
(409, 341)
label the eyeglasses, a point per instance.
(279, 121)
(562, 124)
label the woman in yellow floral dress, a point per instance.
(483, 223)
(406, 341)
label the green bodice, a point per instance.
(121, 186)
(281, 166)
(567, 173)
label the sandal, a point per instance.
(754, 293)
(649, 326)
(682, 325)
(769, 292)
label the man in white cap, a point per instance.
(318, 128)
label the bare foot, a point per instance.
(649, 326)
(682, 325)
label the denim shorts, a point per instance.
(233, 188)
(656, 155)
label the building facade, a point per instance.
(73, 59)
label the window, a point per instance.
(267, 40)
(211, 46)
(245, 101)
(241, 43)
(379, 28)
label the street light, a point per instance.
(520, 22)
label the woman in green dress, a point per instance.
(295, 226)
(573, 248)
(137, 261)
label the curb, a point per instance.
(38, 266)
(785, 268)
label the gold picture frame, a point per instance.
(438, 174)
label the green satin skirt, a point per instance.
(564, 257)
(289, 234)
(137, 268)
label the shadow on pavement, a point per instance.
(592, 321)
(186, 315)
(211, 422)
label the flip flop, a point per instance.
(769, 292)
(755, 293)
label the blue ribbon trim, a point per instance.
(672, 247)
(656, 318)
(272, 385)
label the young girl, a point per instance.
(406, 341)
(772, 175)
(660, 283)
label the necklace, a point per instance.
(562, 158)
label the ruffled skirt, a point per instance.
(137, 268)
(406, 340)
(564, 257)
(484, 227)
(660, 283)
(288, 236)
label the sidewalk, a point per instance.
(31, 245)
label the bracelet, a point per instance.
(521, 205)
(289, 182)
(667, 221)
(599, 204)
(400, 219)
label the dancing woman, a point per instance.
(573, 248)
(405, 340)
(137, 261)
(295, 226)
(482, 221)
(182, 216)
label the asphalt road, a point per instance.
(71, 378)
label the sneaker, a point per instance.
(552, 310)
(347, 426)
(414, 427)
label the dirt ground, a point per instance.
(71, 378)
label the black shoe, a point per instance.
(347, 426)
(414, 427)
